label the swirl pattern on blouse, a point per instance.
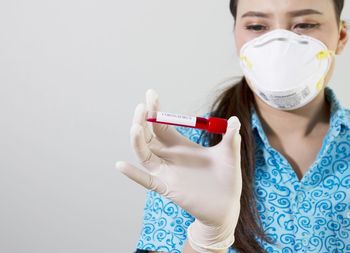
(307, 215)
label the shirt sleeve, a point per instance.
(164, 226)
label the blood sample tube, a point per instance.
(211, 124)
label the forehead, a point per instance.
(275, 7)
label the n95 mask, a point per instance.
(286, 70)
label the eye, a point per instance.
(306, 26)
(256, 28)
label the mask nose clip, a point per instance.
(263, 43)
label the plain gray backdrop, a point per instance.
(71, 74)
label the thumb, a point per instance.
(143, 178)
(232, 138)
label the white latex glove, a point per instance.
(204, 181)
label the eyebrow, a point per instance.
(296, 13)
(304, 12)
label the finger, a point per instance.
(141, 177)
(152, 100)
(152, 104)
(167, 134)
(140, 118)
(232, 138)
(145, 155)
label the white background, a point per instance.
(71, 74)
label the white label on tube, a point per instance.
(176, 118)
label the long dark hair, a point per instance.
(237, 100)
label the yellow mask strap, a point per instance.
(341, 25)
(246, 61)
(320, 83)
(325, 54)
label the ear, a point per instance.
(343, 37)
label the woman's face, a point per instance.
(315, 18)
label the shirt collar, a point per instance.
(339, 117)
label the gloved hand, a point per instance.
(204, 181)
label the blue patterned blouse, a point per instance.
(310, 215)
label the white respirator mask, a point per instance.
(286, 70)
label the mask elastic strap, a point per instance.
(325, 54)
(246, 61)
(341, 25)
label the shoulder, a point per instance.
(347, 113)
(345, 117)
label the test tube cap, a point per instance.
(217, 125)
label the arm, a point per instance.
(188, 249)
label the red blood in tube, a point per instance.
(212, 124)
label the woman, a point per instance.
(279, 179)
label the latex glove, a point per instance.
(204, 181)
